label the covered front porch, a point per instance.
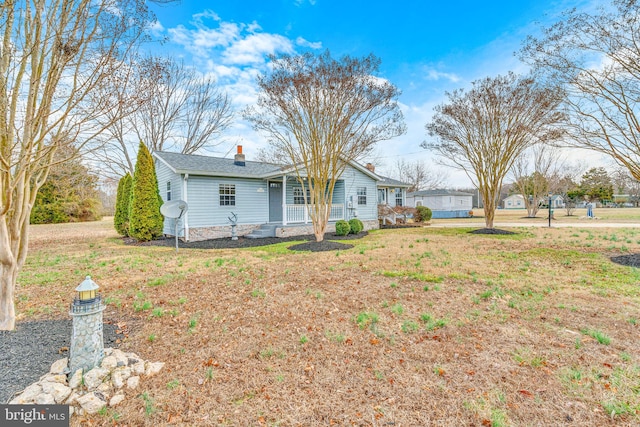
(287, 201)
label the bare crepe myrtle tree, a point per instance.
(53, 54)
(536, 173)
(484, 130)
(322, 113)
(595, 58)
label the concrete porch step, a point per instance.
(265, 230)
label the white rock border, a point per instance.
(97, 388)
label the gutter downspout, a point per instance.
(185, 197)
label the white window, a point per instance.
(227, 194)
(298, 196)
(362, 195)
(168, 190)
(398, 196)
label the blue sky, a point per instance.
(426, 48)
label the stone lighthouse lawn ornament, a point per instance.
(87, 342)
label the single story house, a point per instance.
(443, 203)
(557, 202)
(515, 201)
(268, 200)
(391, 192)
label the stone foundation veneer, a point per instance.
(87, 342)
(205, 233)
(301, 230)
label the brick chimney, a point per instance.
(238, 160)
(371, 167)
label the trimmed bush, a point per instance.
(423, 214)
(145, 219)
(123, 197)
(355, 225)
(342, 227)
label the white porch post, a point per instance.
(284, 199)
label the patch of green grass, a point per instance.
(335, 336)
(152, 337)
(173, 384)
(157, 312)
(524, 357)
(397, 309)
(422, 277)
(431, 323)
(142, 305)
(498, 418)
(410, 326)
(275, 249)
(113, 300)
(258, 293)
(149, 407)
(599, 336)
(160, 281)
(270, 352)
(366, 319)
(304, 339)
(617, 408)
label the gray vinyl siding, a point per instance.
(353, 179)
(251, 201)
(164, 175)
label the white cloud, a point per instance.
(306, 43)
(156, 29)
(433, 74)
(198, 18)
(255, 47)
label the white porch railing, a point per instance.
(298, 213)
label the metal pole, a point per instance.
(176, 233)
(549, 211)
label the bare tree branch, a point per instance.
(322, 113)
(53, 55)
(483, 131)
(419, 175)
(595, 58)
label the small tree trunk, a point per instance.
(320, 220)
(489, 214)
(8, 276)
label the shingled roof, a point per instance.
(215, 166)
(439, 192)
(391, 182)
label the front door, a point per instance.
(382, 196)
(275, 201)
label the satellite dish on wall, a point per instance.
(174, 208)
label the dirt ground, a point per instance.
(410, 327)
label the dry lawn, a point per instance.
(411, 327)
